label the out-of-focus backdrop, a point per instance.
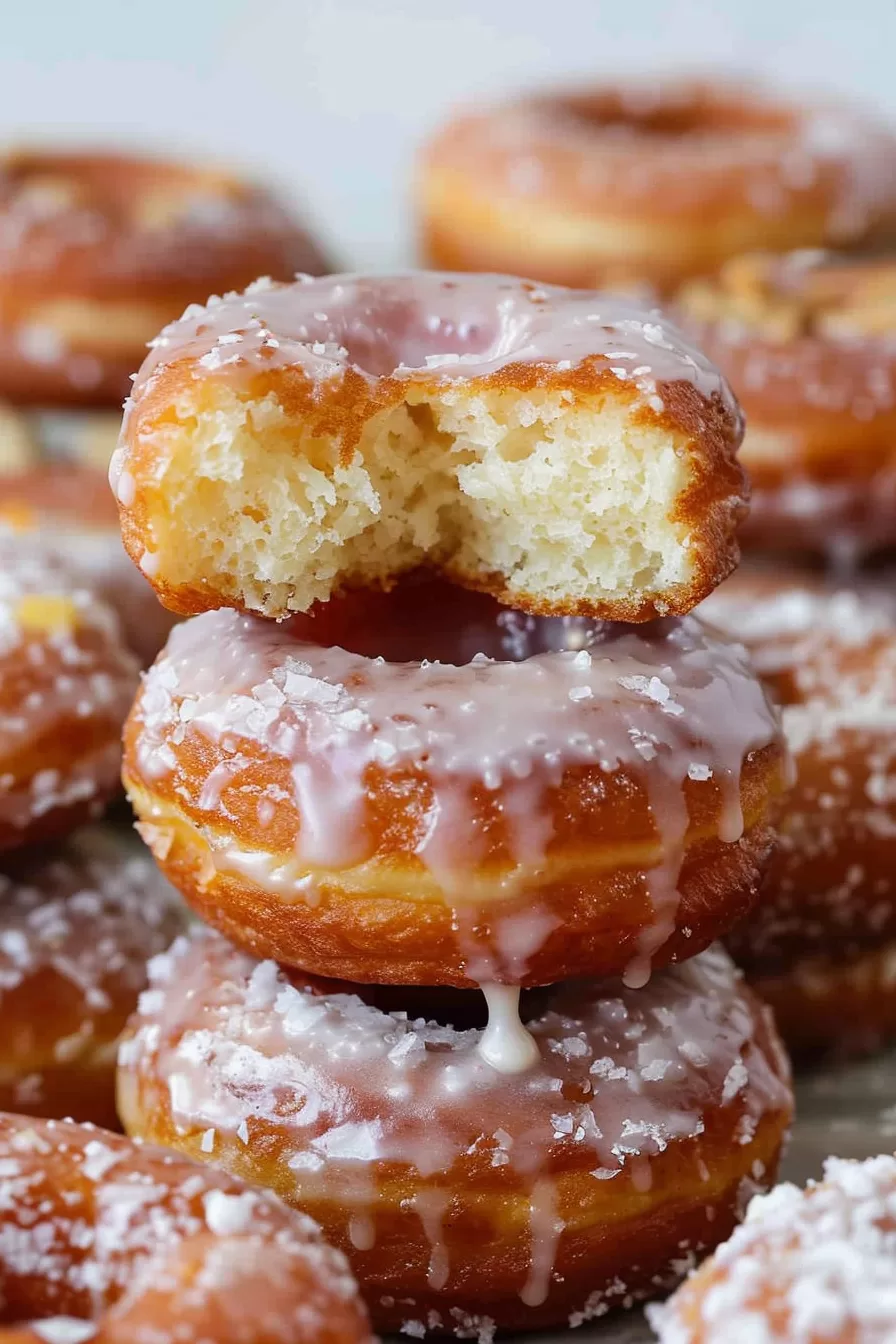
(330, 97)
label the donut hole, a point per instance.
(677, 111)
(442, 1006)
(549, 500)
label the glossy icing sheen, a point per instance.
(352, 1094)
(429, 325)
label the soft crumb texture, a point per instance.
(808, 1267)
(574, 457)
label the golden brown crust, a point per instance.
(626, 185)
(109, 248)
(809, 344)
(198, 1255)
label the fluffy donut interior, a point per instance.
(566, 500)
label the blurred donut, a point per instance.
(809, 343)
(99, 250)
(464, 1197)
(106, 1240)
(808, 1266)
(635, 183)
(826, 913)
(554, 798)
(72, 507)
(66, 682)
(78, 925)
(301, 439)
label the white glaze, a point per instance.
(505, 1043)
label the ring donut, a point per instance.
(809, 343)
(615, 185)
(826, 916)
(66, 682)
(77, 927)
(808, 1265)
(572, 799)
(467, 1198)
(564, 451)
(98, 251)
(108, 1241)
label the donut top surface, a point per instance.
(680, 147)
(85, 222)
(114, 1240)
(432, 326)
(808, 1267)
(533, 699)
(618, 1075)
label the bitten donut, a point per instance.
(554, 798)
(71, 506)
(66, 682)
(105, 1240)
(809, 343)
(563, 450)
(650, 183)
(77, 927)
(466, 1198)
(808, 1266)
(98, 251)
(821, 940)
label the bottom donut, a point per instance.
(468, 1199)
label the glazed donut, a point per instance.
(562, 450)
(818, 942)
(808, 1266)
(650, 183)
(108, 1241)
(72, 506)
(99, 250)
(554, 798)
(809, 343)
(66, 681)
(466, 1198)
(77, 927)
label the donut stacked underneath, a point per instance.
(483, 747)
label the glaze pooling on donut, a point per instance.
(77, 927)
(105, 1239)
(475, 755)
(807, 1265)
(564, 450)
(650, 183)
(633, 1092)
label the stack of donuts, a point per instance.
(462, 793)
(701, 192)
(97, 251)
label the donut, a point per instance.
(103, 1239)
(809, 343)
(66, 682)
(554, 798)
(807, 1265)
(627, 184)
(465, 1197)
(99, 250)
(822, 929)
(70, 504)
(78, 924)
(564, 451)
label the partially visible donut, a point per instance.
(467, 1198)
(70, 505)
(99, 250)
(813, 1266)
(555, 798)
(78, 925)
(105, 1240)
(564, 451)
(66, 681)
(633, 183)
(809, 343)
